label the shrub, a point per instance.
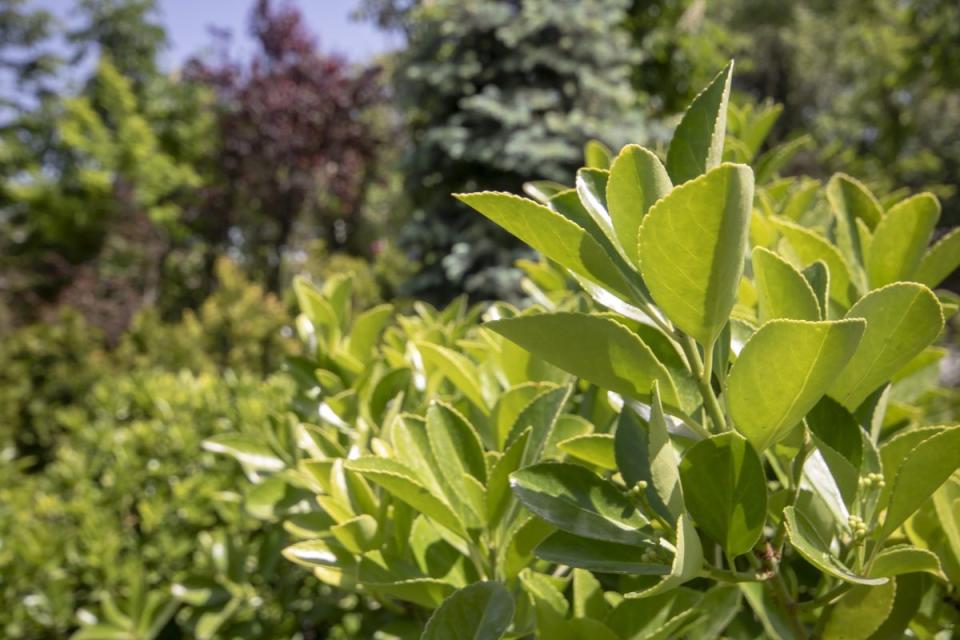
(718, 440)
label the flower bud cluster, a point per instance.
(858, 527)
(872, 480)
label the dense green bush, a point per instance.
(720, 438)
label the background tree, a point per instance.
(295, 144)
(493, 94)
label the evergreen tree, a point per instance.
(494, 93)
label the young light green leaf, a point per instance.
(838, 438)
(541, 414)
(543, 190)
(664, 462)
(551, 234)
(498, 484)
(637, 180)
(860, 612)
(697, 144)
(808, 543)
(725, 490)
(614, 358)
(366, 329)
(782, 291)
(598, 555)
(457, 368)
(691, 248)
(588, 600)
(818, 277)
(925, 468)
(399, 481)
(597, 155)
(783, 371)
(593, 448)
(902, 320)
(480, 611)
(578, 501)
(905, 558)
(900, 240)
(940, 261)
(852, 201)
(249, 452)
(805, 247)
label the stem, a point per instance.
(730, 576)
(710, 401)
(797, 474)
(778, 589)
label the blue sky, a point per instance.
(187, 23)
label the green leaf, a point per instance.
(925, 468)
(900, 559)
(588, 601)
(805, 247)
(596, 155)
(358, 534)
(591, 185)
(808, 543)
(692, 245)
(911, 588)
(541, 414)
(902, 320)
(481, 611)
(818, 277)
(697, 144)
(900, 240)
(458, 455)
(838, 437)
(633, 455)
(551, 234)
(550, 605)
(782, 291)
(593, 448)
(249, 452)
(543, 190)
(400, 482)
(661, 617)
(613, 358)
(940, 261)
(366, 329)
(637, 180)
(578, 501)
(725, 490)
(458, 368)
(318, 310)
(597, 555)
(498, 483)
(852, 201)
(783, 370)
(664, 462)
(860, 612)
(687, 561)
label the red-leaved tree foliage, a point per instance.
(297, 147)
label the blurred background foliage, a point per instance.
(151, 220)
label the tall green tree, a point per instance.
(495, 93)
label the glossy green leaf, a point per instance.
(725, 490)
(543, 190)
(588, 600)
(805, 247)
(860, 612)
(911, 588)
(940, 261)
(576, 500)
(541, 414)
(481, 611)
(613, 358)
(599, 555)
(809, 544)
(667, 616)
(902, 320)
(782, 291)
(697, 143)
(783, 371)
(637, 180)
(692, 245)
(398, 480)
(366, 330)
(551, 234)
(925, 468)
(838, 438)
(900, 240)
